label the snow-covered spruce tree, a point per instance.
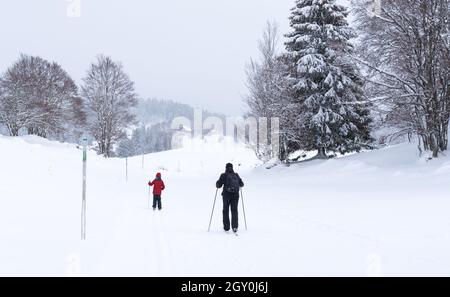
(109, 97)
(327, 83)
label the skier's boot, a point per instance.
(235, 230)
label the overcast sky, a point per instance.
(189, 51)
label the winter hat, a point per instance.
(158, 174)
(229, 166)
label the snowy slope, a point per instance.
(376, 213)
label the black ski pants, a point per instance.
(230, 200)
(157, 201)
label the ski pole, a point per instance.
(212, 212)
(243, 210)
(149, 197)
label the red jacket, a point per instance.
(158, 185)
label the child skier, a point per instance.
(158, 187)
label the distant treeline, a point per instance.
(154, 133)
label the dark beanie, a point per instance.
(229, 166)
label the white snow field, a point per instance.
(379, 213)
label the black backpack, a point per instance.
(232, 183)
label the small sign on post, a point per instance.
(83, 201)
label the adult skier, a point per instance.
(231, 183)
(158, 187)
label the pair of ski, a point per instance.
(235, 233)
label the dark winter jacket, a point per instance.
(223, 178)
(158, 185)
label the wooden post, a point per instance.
(83, 199)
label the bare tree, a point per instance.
(109, 96)
(262, 75)
(39, 96)
(13, 111)
(268, 89)
(405, 49)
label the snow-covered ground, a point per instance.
(384, 212)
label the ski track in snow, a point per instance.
(142, 231)
(162, 246)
